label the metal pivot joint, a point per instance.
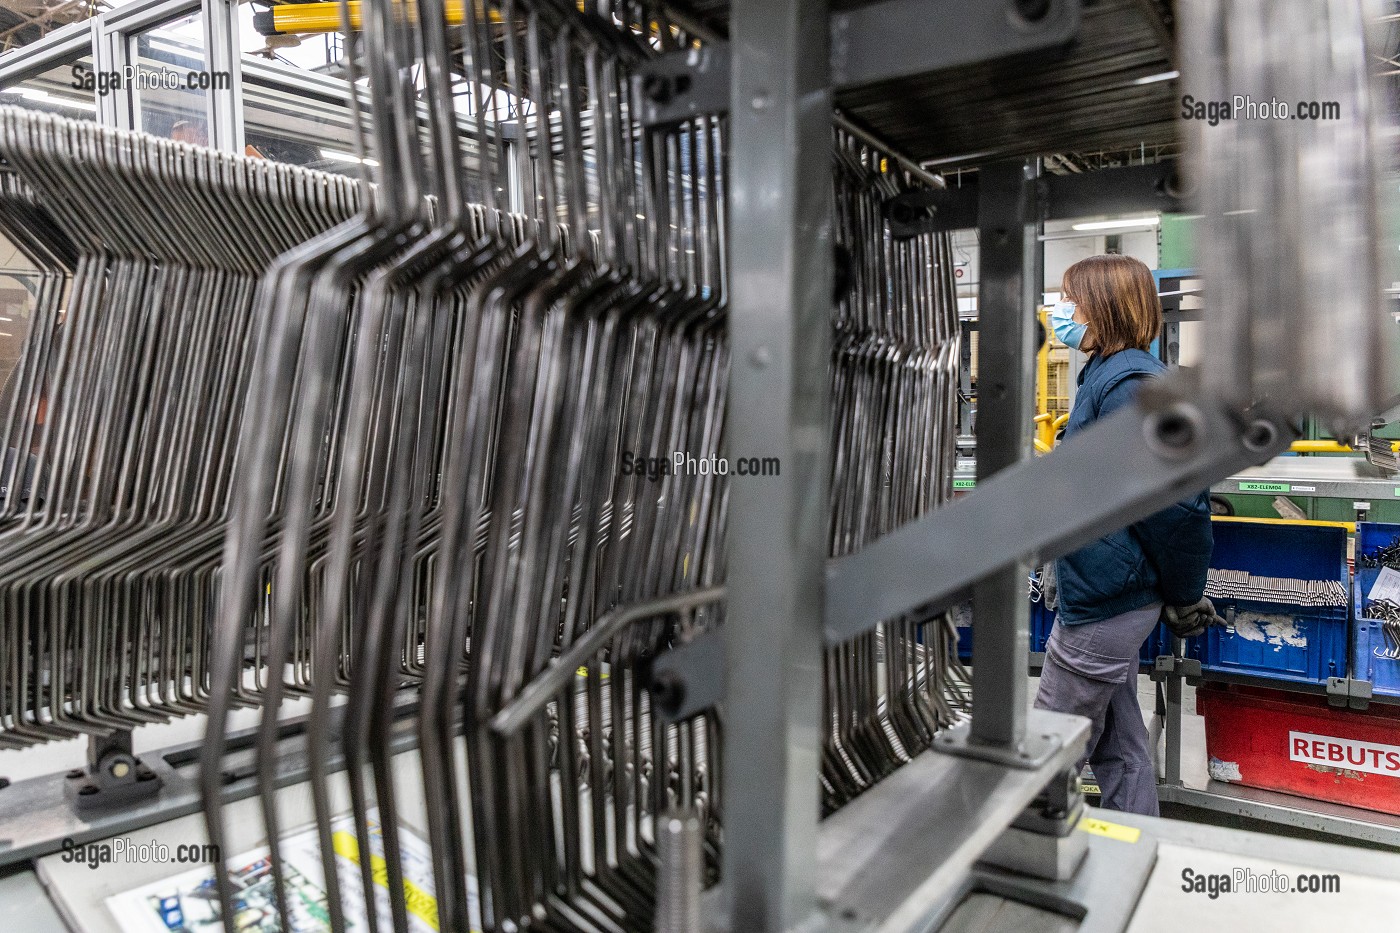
(679, 86)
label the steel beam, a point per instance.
(1155, 187)
(1129, 188)
(779, 322)
(879, 42)
(1111, 474)
(1008, 295)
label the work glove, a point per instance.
(1049, 587)
(1190, 621)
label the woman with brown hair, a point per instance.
(1111, 593)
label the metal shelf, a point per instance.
(1323, 477)
(1286, 810)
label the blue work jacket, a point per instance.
(1162, 558)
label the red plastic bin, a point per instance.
(1299, 745)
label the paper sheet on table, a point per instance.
(1387, 586)
(189, 903)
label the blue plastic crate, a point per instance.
(962, 617)
(1042, 620)
(1367, 638)
(1278, 640)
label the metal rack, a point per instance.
(773, 870)
(928, 825)
(777, 857)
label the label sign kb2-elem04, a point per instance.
(1351, 754)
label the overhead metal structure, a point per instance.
(1095, 76)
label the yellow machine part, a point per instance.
(304, 18)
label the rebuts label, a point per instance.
(1350, 754)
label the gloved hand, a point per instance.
(1190, 621)
(1049, 587)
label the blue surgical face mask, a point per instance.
(1070, 331)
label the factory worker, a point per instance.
(1111, 593)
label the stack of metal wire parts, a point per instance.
(1388, 612)
(119, 421)
(436, 494)
(1386, 555)
(433, 500)
(1240, 584)
(894, 402)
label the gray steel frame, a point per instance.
(939, 813)
(780, 305)
(1140, 460)
(1007, 299)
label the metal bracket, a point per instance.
(1033, 751)
(1348, 693)
(114, 777)
(1057, 808)
(1167, 665)
(688, 679)
(1155, 187)
(679, 86)
(928, 211)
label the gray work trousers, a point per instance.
(1092, 670)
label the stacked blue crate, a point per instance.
(1369, 658)
(1278, 640)
(1042, 620)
